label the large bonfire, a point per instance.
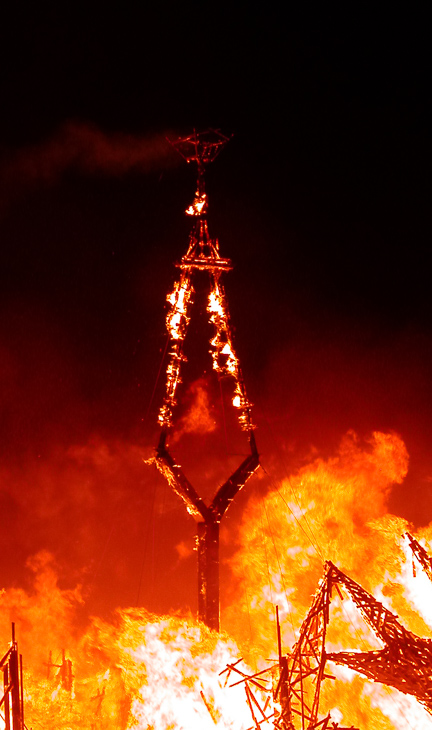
(148, 671)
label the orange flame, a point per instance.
(225, 361)
(332, 510)
(143, 671)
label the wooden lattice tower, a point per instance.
(202, 257)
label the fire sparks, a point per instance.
(225, 361)
(177, 318)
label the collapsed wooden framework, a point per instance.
(287, 693)
(65, 675)
(404, 662)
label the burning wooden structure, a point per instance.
(12, 701)
(421, 554)
(203, 256)
(405, 661)
(65, 674)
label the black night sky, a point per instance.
(321, 200)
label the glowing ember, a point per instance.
(199, 205)
(225, 361)
(177, 320)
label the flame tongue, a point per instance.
(163, 672)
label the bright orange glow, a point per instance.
(225, 361)
(141, 671)
(177, 317)
(198, 419)
(221, 342)
(176, 321)
(334, 510)
(145, 671)
(199, 206)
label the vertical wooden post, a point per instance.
(208, 573)
(15, 689)
(66, 673)
(6, 696)
(208, 526)
(14, 678)
(22, 690)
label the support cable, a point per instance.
(295, 496)
(167, 340)
(279, 566)
(316, 545)
(149, 526)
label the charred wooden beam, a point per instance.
(180, 484)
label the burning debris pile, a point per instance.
(140, 671)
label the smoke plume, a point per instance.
(82, 147)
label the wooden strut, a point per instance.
(305, 668)
(420, 553)
(301, 673)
